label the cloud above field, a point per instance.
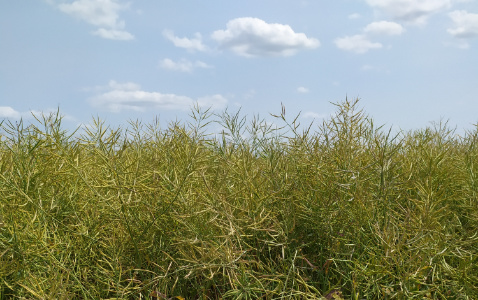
(302, 90)
(358, 43)
(465, 24)
(129, 96)
(113, 34)
(183, 65)
(103, 14)
(9, 113)
(252, 37)
(313, 115)
(190, 44)
(361, 43)
(384, 28)
(410, 11)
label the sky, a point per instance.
(411, 62)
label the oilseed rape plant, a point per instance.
(337, 210)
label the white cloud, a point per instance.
(250, 94)
(214, 101)
(186, 43)
(127, 86)
(354, 16)
(113, 34)
(251, 37)
(384, 27)
(302, 90)
(412, 11)
(9, 112)
(101, 13)
(182, 65)
(313, 115)
(357, 43)
(465, 24)
(360, 43)
(129, 96)
(200, 64)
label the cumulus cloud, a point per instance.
(358, 43)
(465, 24)
(129, 96)
(194, 44)
(313, 115)
(354, 16)
(250, 94)
(126, 86)
(252, 37)
(411, 11)
(100, 13)
(182, 65)
(384, 27)
(9, 112)
(361, 43)
(302, 90)
(113, 34)
(215, 101)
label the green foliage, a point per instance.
(342, 210)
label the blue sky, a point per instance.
(409, 61)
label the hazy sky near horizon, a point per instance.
(409, 61)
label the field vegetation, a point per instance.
(343, 209)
